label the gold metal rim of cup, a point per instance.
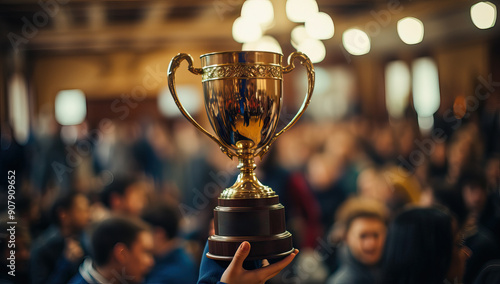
(239, 51)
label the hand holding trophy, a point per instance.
(243, 96)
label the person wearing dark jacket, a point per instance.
(172, 263)
(479, 225)
(122, 252)
(57, 253)
(424, 245)
(353, 271)
(364, 225)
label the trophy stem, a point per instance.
(246, 164)
(247, 186)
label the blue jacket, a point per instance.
(48, 264)
(174, 267)
(211, 270)
(352, 271)
(87, 274)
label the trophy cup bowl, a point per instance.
(243, 99)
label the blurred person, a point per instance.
(125, 195)
(382, 145)
(342, 145)
(161, 142)
(105, 146)
(481, 222)
(172, 263)
(406, 130)
(483, 206)
(21, 258)
(145, 155)
(294, 149)
(302, 214)
(57, 253)
(362, 223)
(13, 158)
(113, 151)
(81, 143)
(324, 174)
(437, 161)
(492, 171)
(404, 186)
(49, 160)
(444, 195)
(193, 176)
(372, 184)
(122, 252)
(464, 151)
(424, 245)
(489, 122)
(472, 185)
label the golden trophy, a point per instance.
(243, 97)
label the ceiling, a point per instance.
(90, 26)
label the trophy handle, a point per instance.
(306, 62)
(174, 64)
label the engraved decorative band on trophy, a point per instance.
(242, 71)
(243, 98)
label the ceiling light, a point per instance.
(356, 41)
(410, 30)
(314, 49)
(320, 26)
(300, 10)
(260, 11)
(70, 107)
(298, 35)
(397, 88)
(246, 30)
(426, 96)
(483, 14)
(19, 108)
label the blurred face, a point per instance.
(474, 197)
(365, 239)
(134, 199)
(384, 142)
(458, 152)
(372, 186)
(438, 157)
(79, 214)
(323, 171)
(139, 258)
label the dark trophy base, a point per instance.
(259, 221)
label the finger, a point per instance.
(270, 271)
(241, 254)
(265, 263)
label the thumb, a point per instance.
(241, 254)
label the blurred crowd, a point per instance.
(366, 201)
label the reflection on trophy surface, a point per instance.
(243, 96)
